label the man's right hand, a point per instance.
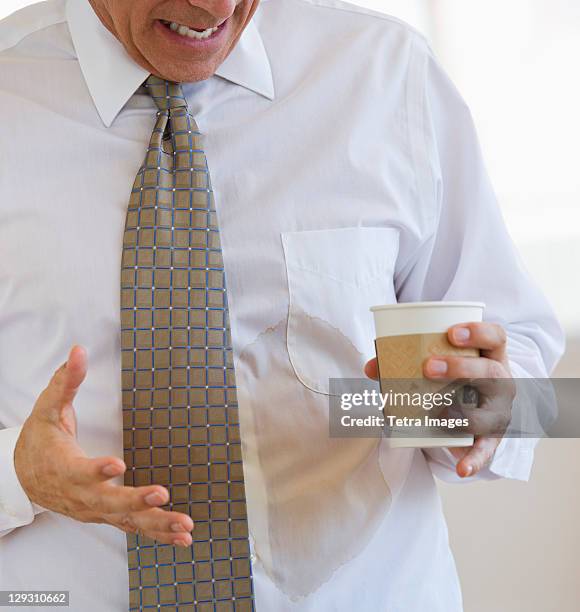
(56, 474)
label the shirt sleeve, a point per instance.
(16, 509)
(468, 253)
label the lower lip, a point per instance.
(207, 44)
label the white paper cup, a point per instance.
(421, 322)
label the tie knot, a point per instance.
(166, 94)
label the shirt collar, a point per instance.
(113, 77)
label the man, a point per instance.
(317, 154)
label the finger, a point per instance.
(163, 537)
(67, 379)
(372, 369)
(107, 498)
(483, 422)
(158, 520)
(133, 523)
(479, 456)
(84, 470)
(489, 337)
(466, 368)
(458, 451)
(486, 422)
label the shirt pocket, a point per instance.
(334, 277)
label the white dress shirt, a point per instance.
(347, 173)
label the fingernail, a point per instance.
(154, 499)
(177, 527)
(181, 543)
(436, 366)
(112, 469)
(461, 334)
(469, 470)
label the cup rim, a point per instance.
(410, 305)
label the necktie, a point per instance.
(180, 420)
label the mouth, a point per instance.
(192, 33)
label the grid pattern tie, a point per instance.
(180, 413)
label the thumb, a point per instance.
(477, 457)
(68, 378)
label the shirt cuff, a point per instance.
(16, 509)
(512, 459)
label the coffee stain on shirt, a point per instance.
(314, 502)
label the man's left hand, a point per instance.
(490, 374)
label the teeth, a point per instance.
(185, 31)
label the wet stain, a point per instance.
(314, 502)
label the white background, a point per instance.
(517, 63)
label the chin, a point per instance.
(181, 72)
(184, 77)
